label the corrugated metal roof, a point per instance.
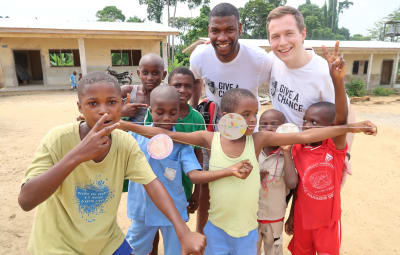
(34, 25)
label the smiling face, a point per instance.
(97, 99)
(151, 74)
(286, 39)
(248, 108)
(184, 85)
(224, 34)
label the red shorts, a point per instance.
(324, 241)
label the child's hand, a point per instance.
(130, 109)
(97, 141)
(242, 169)
(367, 127)
(80, 118)
(336, 64)
(193, 243)
(286, 148)
(194, 201)
(289, 225)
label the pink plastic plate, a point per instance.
(160, 146)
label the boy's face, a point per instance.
(151, 75)
(315, 117)
(248, 108)
(270, 121)
(224, 34)
(164, 112)
(285, 38)
(184, 85)
(100, 98)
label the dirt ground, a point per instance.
(371, 201)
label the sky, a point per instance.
(358, 19)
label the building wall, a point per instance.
(376, 70)
(98, 56)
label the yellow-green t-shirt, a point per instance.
(80, 216)
(233, 201)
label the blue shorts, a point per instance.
(124, 249)
(141, 236)
(220, 243)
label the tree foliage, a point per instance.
(135, 19)
(253, 17)
(322, 23)
(376, 32)
(110, 14)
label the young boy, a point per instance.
(76, 180)
(151, 73)
(317, 211)
(146, 218)
(231, 230)
(183, 80)
(275, 167)
(72, 79)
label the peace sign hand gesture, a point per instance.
(97, 142)
(131, 109)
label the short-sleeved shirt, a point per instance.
(272, 201)
(250, 69)
(292, 91)
(169, 172)
(195, 118)
(80, 216)
(320, 170)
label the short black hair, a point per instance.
(224, 10)
(181, 70)
(329, 110)
(164, 91)
(97, 77)
(230, 99)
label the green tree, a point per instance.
(313, 18)
(110, 14)
(358, 37)
(376, 32)
(135, 19)
(253, 17)
(198, 26)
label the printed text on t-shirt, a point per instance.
(286, 96)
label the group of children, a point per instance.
(76, 178)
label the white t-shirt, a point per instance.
(292, 91)
(249, 70)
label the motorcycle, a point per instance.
(123, 78)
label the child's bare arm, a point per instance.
(337, 70)
(199, 138)
(39, 188)
(240, 170)
(291, 178)
(266, 138)
(191, 242)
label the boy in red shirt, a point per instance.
(317, 211)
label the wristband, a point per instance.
(348, 155)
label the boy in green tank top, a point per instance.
(230, 229)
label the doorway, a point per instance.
(28, 67)
(386, 74)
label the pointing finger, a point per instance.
(107, 130)
(336, 52)
(325, 52)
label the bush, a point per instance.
(379, 91)
(356, 88)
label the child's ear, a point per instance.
(164, 75)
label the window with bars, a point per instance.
(64, 57)
(125, 57)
